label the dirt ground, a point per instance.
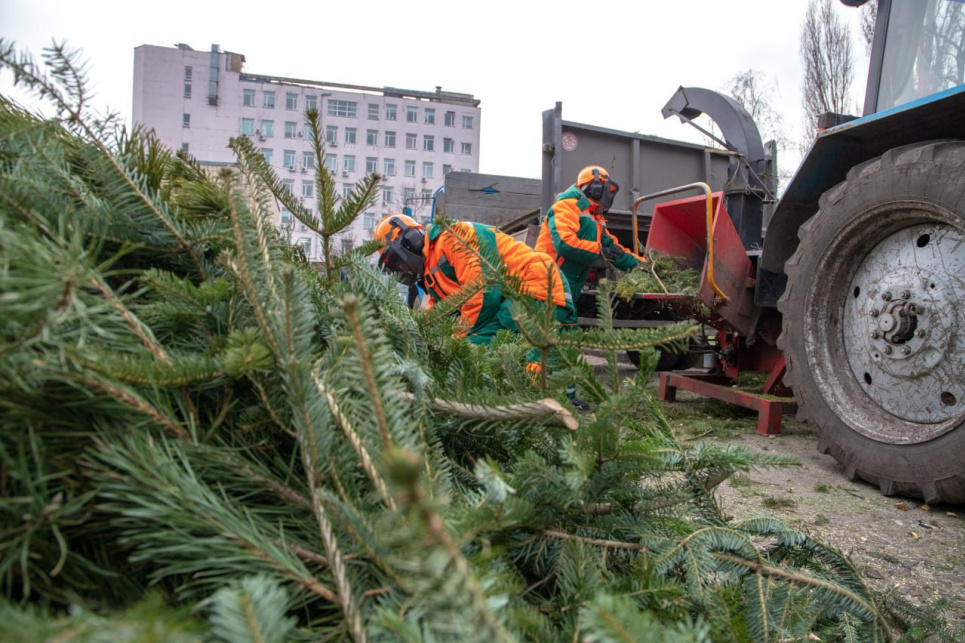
(899, 543)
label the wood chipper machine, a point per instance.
(699, 233)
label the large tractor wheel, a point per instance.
(874, 322)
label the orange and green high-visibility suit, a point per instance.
(452, 262)
(575, 237)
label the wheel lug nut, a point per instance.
(904, 294)
(874, 312)
(888, 350)
(886, 296)
(875, 334)
(919, 333)
(905, 350)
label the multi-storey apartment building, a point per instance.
(197, 100)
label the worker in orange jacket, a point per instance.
(447, 259)
(574, 230)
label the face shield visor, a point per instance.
(601, 190)
(403, 254)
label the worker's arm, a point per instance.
(465, 263)
(534, 270)
(619, 256)
(564, 228)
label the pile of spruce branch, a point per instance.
(661, 274)
(203, 436)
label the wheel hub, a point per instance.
(900, 325)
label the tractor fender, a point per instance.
(834, 153)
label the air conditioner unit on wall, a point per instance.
(291, 168)
(333, 144)
(345, 174)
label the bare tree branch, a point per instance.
(826, 51)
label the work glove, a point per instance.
(613, 252)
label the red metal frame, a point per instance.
(769, 411)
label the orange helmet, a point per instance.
(403, 240)
(596, 184)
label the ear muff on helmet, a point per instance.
(403, 251)
(601, 190)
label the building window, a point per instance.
(350, 135)
(288, 158)
(368, 221)
(347, 245)
(268, 100)
(289, 185)
(291, 101)
(331, 134)
(187, 90)
(342, 108)
(248, 126)
(391, 112)
(390, 139)
(450, 119)
(373, 112)
(427, 170)
(248, 98)
(410, 168)
(426, 195)
(430, 114)
(305, 243)
(307, 132)
(408, 194)
(331, 163)
(187, 73)
(267, 128)
(446, 169)
(266, 152)
(184, 147)
(388, 194)
(467, 148)
(348, 164)
(410, 141)
(286, 216)
(412, 114)
(308, 160)
(371, 164)
(311, 102)
(467, 122)
(428, 143)
(448, 145)
(389, 167)
(186, 120)
(347, 190)
(308, 189)
(372, 137)
(291, 129)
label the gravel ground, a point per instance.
(899, 543)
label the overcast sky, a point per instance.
(611, 64)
